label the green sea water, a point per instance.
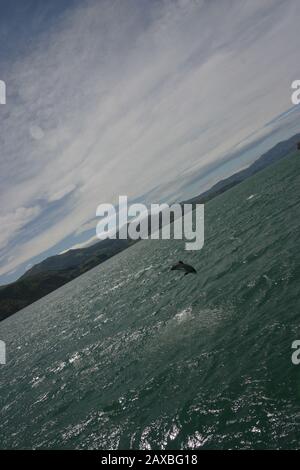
(132, 355)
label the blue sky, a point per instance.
(156, 100)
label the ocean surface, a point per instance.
(132, 355)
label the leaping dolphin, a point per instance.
(187, 268)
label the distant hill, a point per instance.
(53, 272)
(81, 259)
(57, 270)
(273, 155)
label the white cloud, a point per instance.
(85, 244)
(61, 193)
(86, 226)
(122, 97)
(13, 222)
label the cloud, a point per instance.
(123, 97)
(90, 225)
(13, 222)
(61, 193)
(84, 244)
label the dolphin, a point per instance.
(187, 268)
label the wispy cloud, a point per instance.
(121, 97)
(12, 222)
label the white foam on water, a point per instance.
(75, 357)
(120, 284)
(36, 381)
(99, 317)
(58, 368)
(184, 315)
(141, 271)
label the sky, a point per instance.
(156, 100)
